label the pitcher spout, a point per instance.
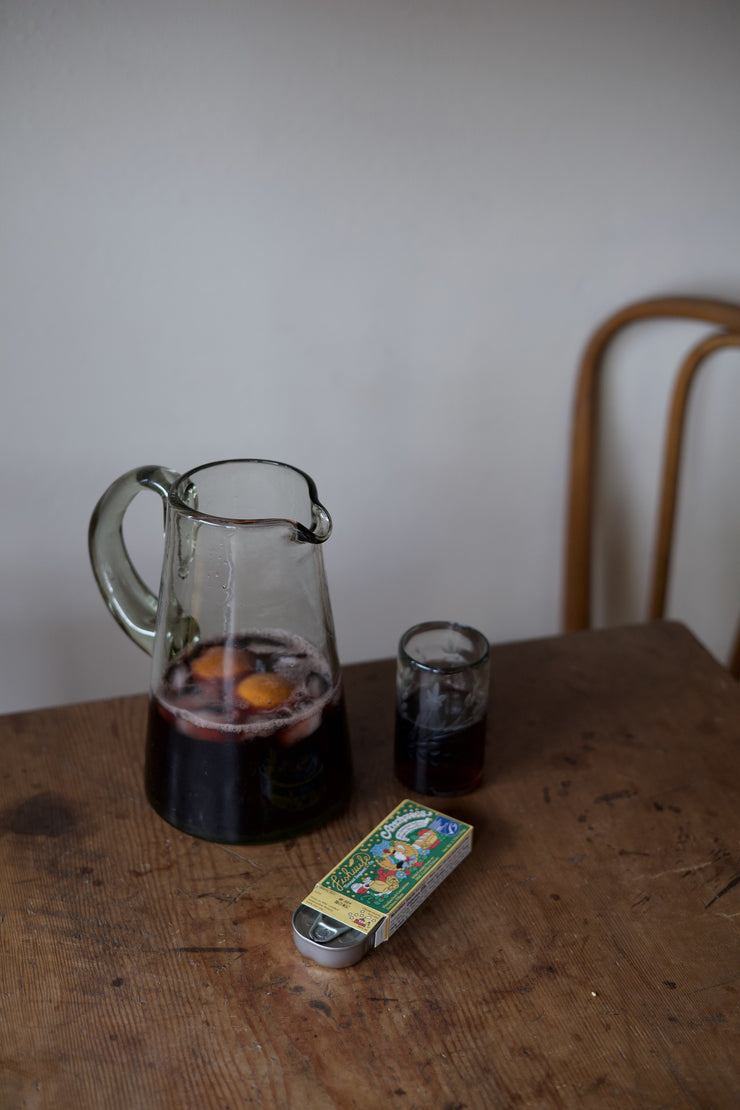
(262, 492)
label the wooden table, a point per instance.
(586, 954)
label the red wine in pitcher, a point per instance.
(247, 740)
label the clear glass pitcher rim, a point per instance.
(321, 525)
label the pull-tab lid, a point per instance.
(327, 941)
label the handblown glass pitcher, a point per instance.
(246, 739)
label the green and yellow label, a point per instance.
(389, 873)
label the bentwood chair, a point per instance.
(578, 561)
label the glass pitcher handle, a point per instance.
(128, 598)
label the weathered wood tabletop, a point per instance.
(586, 954)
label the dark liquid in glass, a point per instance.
(247, 741)
(442, 762)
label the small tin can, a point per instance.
(379, 884)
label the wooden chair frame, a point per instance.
(577, 594)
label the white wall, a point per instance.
(365, 238)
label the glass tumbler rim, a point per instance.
(480, 660)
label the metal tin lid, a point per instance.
(327, 941)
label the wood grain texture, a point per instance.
(586, 953)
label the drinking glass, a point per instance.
(442, 686)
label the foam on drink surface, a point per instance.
(257, 683)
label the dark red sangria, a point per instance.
(436, 758)
(247, 740)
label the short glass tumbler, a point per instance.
(442, 683)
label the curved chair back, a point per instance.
(577, 595)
